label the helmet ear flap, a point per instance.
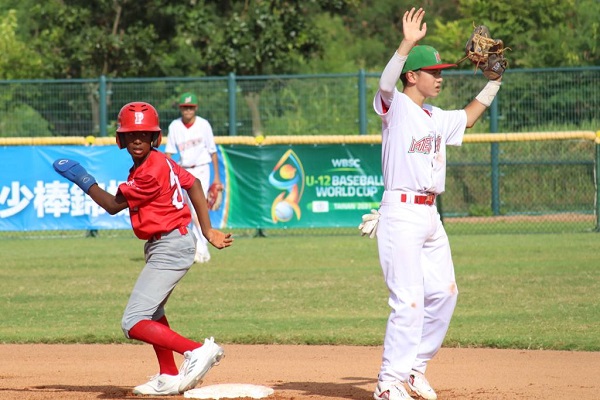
(157, 138)
(119, 141)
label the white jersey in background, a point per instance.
(195, 144)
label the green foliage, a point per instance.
(211, 37)
(540, 33)
(288, 112)
(17, 60)
(339, 53)
(376, 28)
(263, 39)
(80, 39)
(535, 177)
(557, 96)
(29, 123)
(84, 39)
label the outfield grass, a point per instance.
(537, 291)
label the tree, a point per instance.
(125, 38)
(540, 33)
(85, 39)
(377, 28)
(88, 39)
(260, 37)
(17, 60)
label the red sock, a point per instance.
(164, 340)
(166, 361)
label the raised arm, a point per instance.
(414, 29)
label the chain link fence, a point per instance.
(336, 104)
(522, 186)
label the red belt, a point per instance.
(182, 229)
(427, 199)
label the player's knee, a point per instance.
(126, 325)
(126, 332)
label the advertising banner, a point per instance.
(300, 186)
(34, 197)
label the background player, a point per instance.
(192, 137)
(414, 251)
(154, 194)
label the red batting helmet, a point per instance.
(138, 117)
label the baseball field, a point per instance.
(304, 315)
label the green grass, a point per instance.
(516, 291)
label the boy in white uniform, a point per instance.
(192, 137)
(414, 250)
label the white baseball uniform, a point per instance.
(414, 250)
(195, 145)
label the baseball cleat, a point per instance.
(198, 362)
(159, 385)
(420, 386)
(391, 391)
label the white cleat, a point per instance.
(159, 385)
(420, 386)
(391, 391)
(198, 362)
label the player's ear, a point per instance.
(156, 139)
(411, 76)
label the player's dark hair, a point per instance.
(403, 79)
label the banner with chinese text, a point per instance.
(265, 186)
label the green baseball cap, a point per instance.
(188, 99)
(424, 57)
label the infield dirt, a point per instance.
(84, 372)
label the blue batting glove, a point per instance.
(74, 172)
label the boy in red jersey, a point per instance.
(159, 214)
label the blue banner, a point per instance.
(265, 186)
(34, 197)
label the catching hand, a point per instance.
(74, 172)
(486, 53)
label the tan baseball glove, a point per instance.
(486, 53)
(215, 196)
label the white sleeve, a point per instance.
(455, 123)
(210, 139)
(389, 77)
(171, 146)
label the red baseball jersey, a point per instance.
(154, 193)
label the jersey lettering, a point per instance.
(421, 146)
(438, 143)
(426, 144)
(189, 144)
(177, 198)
